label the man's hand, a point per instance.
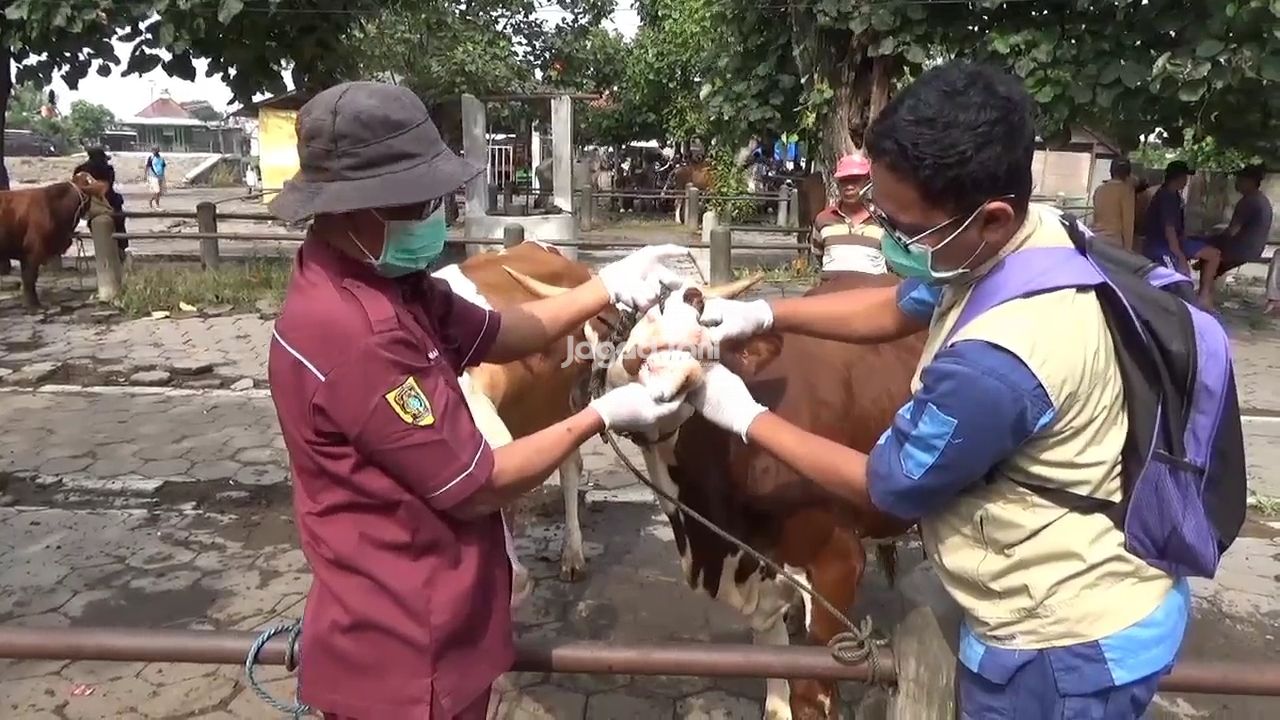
(735, 319)
(632, 408)
(725, 400)
(639, 278)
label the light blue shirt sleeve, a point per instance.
(918, 299)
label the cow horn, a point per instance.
(535, 286)
(733, 289)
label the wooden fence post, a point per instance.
(784, 205)
(925, 646)
(692, 210)
(721, 255)
(106, 257)
(207, 221)
(512, 235)
(586, 206)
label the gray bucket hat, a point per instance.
(367, 145)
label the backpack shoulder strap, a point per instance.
(1025, 273)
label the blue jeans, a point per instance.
(1032, 694)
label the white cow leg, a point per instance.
(572, 562)
(495, 432)
(777, 700)
(521, 583)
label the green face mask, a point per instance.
(911, 258)
(912, 262)
(410, 245)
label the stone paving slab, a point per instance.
(237, 346)
(171, 509)
(64, 349)
(240, 569)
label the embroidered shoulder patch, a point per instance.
(411, 404)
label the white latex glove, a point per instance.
(735, 319)
(725, 400)
(637, 279)
(632, 407)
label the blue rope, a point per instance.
(291, 655)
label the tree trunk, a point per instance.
(6, 90)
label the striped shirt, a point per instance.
(847, 242)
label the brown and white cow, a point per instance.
(38, 224)
(847, 393)
(520, 398)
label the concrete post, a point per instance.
(924, 649)
(691, 209)
(508, 196)
(535, 155)
(562, 151)
(512, 235)
(784, 205)
(702, 256)
(106, 257)
(721, 256)
(207, 221)
(793, 208)
(586, 208)
(562, 163)
(476, 150)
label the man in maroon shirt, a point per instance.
(396, 493)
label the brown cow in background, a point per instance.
(38, 224)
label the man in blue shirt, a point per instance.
(1060, 619)
(154, 172)
(1166, 235)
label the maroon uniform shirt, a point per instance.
(409, 610)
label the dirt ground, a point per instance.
(25, 171)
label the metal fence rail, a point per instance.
(677, 659)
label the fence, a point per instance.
(719, 238)
(110, 271)
(921, 690)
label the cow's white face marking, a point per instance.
(462, 286)
(667, 352)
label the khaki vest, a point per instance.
(1028, 573)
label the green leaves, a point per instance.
(1269, 68)
(228, 9)
(1192, 90)
(1134, 75)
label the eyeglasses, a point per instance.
(890, 229)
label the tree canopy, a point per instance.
(717, 69)
(84, 125)
(1125, 67)
(248, 43)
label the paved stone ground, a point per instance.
(156, 507)
(171, 510)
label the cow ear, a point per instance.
(748, 357)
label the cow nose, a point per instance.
(693, 297)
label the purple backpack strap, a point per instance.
(1025, 273)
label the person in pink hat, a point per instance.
(844, 237)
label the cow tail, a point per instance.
(887, 560)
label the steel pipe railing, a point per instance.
(224, 647)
